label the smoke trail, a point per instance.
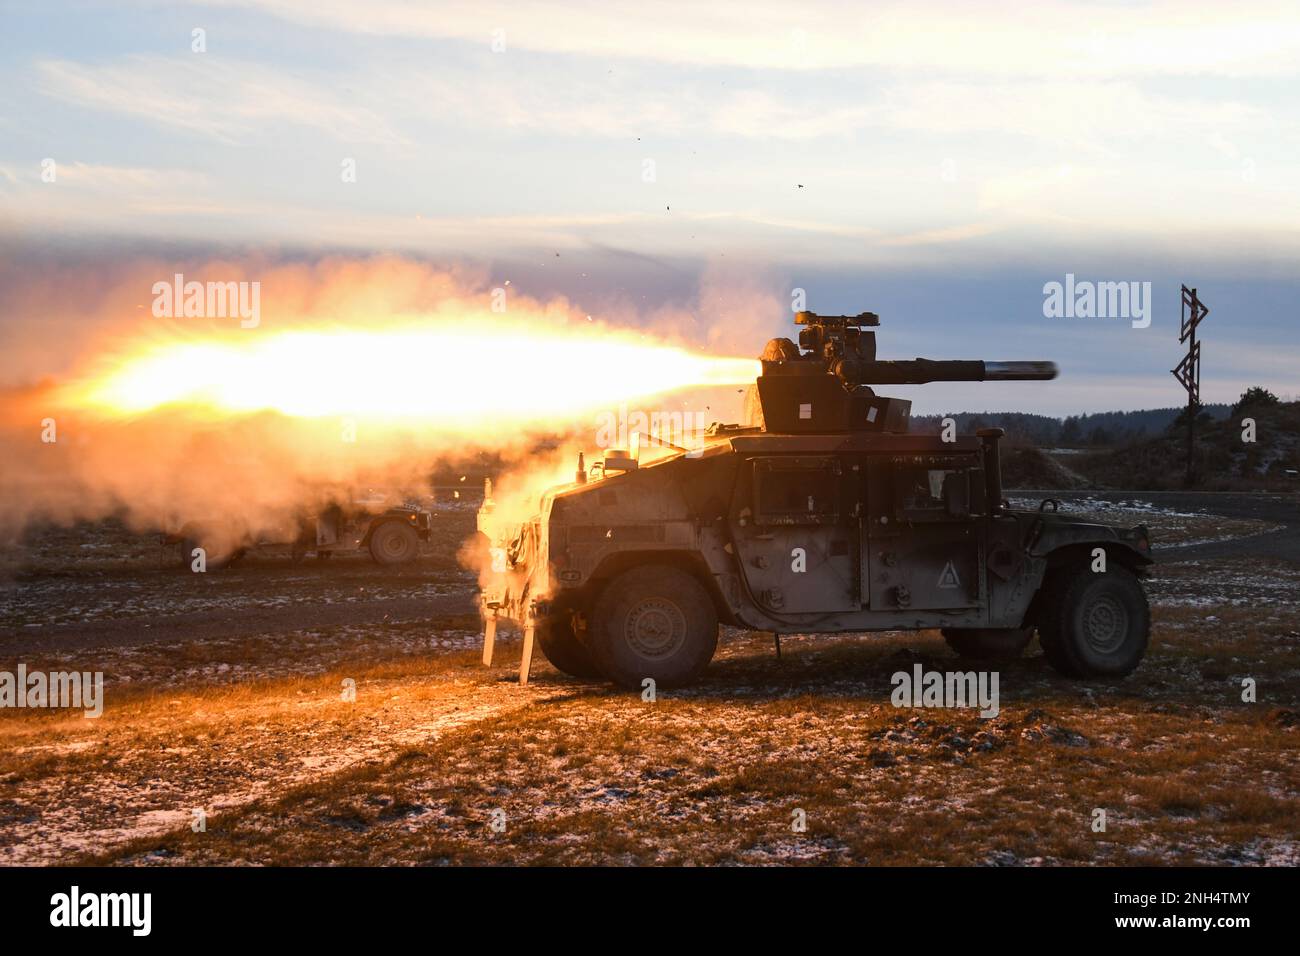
(358, 372)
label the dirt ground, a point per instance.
(231, 693)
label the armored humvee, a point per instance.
(826, 516)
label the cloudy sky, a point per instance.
(936, 163)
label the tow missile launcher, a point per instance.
(830, 517)
(827, 387)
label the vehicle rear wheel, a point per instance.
(394, 543)
(306, 541)
(216, 555)
(653, 621)
(563, 649)
(989, 643)
(1096, 624)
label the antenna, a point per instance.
(1188, 371)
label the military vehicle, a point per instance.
(826, 516)
(370, 521)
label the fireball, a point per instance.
(466, 377)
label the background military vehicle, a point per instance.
(388, 528)
(827, 517)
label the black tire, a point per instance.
(1095, 624)
(563, 649)
(306, 541)
(989, 643)
(653, 621)
(211, 561)
(394, 543)
(1048, 624)
(187, 553)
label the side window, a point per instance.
(797, 491)
(933, 493)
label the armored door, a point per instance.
(796, 534)
(924, 539)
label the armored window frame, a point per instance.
(821, 475)
(903, 473)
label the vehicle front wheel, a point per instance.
(1096, 624)
(653, 621)
(563, 649)
(394, 543)
(989, 643)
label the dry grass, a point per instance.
(1186, 772)
(253, 730)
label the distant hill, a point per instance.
(1028, 467)
(1224, 461)
(1095, 430)
(1143, 450)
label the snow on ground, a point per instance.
(1169, 527)
(154, 787)
(247, 723)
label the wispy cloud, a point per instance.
(211, 96)
(951, 234)
(133, 178)
(1047, 38)
(906, 139)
